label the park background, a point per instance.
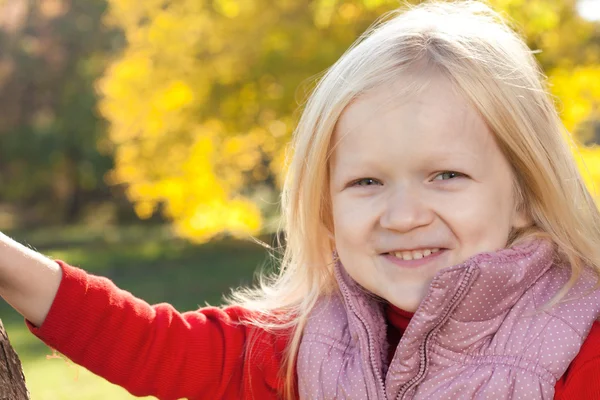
(146, 141)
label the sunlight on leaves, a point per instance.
(203, 100)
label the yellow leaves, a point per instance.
(532, 15)
(227, 69)
(202, 103)
(144, 209)
(229, 8)
(579, 93)
(278, 128)
(588, 160)
(243, 217)
(239, 217)
(162, 30)
(132, 15)
(133, 70)
(565, 39)
(198, 164)
(196, 198)
(123, 12)
(176, 95)
(127, 81)
(349, 12)
(199, 202)
(279, 164)
(324, 10)
(241, 152)
(173, 33)
(276, 41)
(544, 16)
(233, 8)
(233, 146)
(372, 4)
(126, 159)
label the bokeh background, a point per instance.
(146, 140)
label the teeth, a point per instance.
(415, 254)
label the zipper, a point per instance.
(370, 340)
(423, 349)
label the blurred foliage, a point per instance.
(202, 102)
(188, 105)
(203, 99)
(52, 52)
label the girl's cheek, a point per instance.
(351, 207)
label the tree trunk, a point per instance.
(12, 380)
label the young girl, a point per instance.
(440, 244)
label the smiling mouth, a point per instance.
(414, 254)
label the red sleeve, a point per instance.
(154, 350)
(582, 379)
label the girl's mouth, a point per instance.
(408, 255)
(414, 258)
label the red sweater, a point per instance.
(154, 350)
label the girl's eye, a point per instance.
(365, 182)
(447, 175)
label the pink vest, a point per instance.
(480, 333)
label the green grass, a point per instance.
(145, 260)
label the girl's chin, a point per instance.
(406, 302)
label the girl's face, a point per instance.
(416, 185)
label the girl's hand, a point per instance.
(28, 280)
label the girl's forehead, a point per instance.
(437, 112)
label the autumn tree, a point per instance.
(204, 98)
(568, 49)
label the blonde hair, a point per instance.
(472, 46)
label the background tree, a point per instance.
(570, 55)
(52, 53)
(205, 95)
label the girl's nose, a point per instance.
(404, 211)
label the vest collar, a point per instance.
(483, 288)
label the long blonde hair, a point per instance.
(473, 47)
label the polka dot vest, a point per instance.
(481, 332)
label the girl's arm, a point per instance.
(149, 350)
(155, 350)
(28, 280)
